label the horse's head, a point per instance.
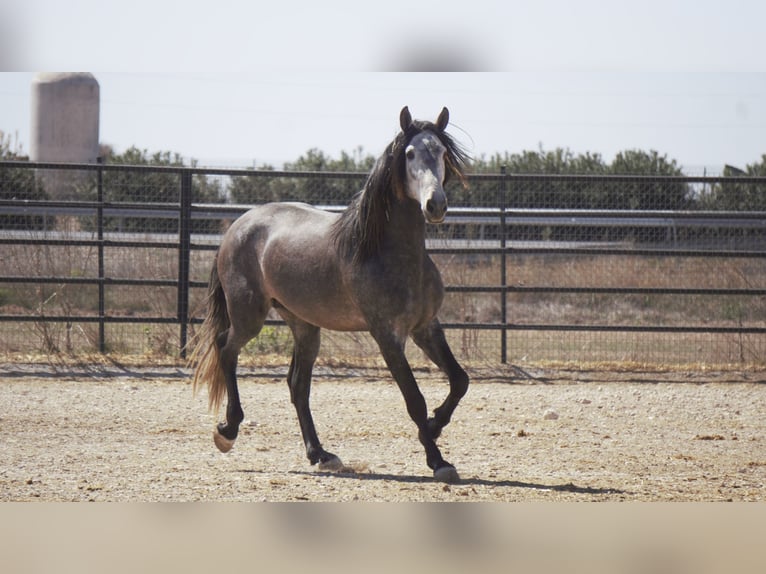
(430, 156)
(415, 166)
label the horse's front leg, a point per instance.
(434, 344)
(392, 349)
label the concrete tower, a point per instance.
(65, 119)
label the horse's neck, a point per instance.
(405, 228)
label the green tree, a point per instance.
(19, 183)
(540, 193)
(310, 189)
(251, 189)
(133, 186)
(584, 194)
(580, 193)
(325, 190)
(647, 195)
(735, 196)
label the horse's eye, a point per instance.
(410, 154)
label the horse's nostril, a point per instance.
(430, 206)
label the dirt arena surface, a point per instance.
(129, 434)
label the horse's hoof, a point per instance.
(224, 444)
(446, 473)
(332, 464)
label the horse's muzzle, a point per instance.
(435, 211)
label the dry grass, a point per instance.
(477, 347)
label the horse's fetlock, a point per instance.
(434, 428)
(235, 416)
(228, 431)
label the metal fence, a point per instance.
(536, 268)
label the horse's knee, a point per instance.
(300, 388)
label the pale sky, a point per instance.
(686, 78)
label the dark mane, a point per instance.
(359, 231)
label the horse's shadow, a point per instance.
(411, 479)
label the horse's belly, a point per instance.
(327, 310)
(338, 321)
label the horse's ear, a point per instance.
(442, 120)
(405, 119)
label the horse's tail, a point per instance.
(207, 354)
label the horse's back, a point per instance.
(271, 217)
(253, 231)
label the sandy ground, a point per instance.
(115, 434)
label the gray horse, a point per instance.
(365, 269)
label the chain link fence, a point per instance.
(668, 270)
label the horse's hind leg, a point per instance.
(307, 340)
(431, 339)
(226, 432)
(244, 327)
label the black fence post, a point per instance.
(184, 256)
(503, 268)
(101, 270)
